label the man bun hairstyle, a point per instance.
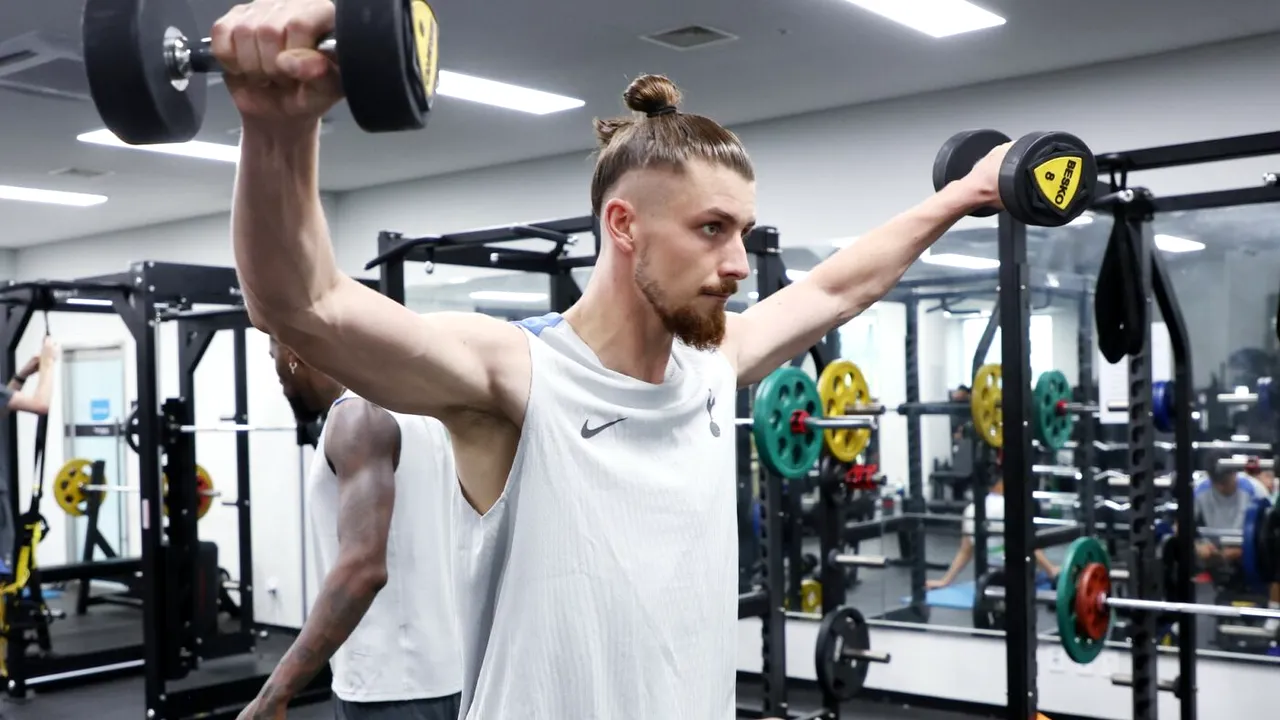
(659, 135)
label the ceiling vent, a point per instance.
(80, 173)
(691, 37)
(34, 65)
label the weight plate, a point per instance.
(757, 518)
(204, 490)
(1252, 537)
(387, 54)
(960, 153)
(68, 486)
(1269, 547)
(782, 393)
(985, 405)
(1081, 553)
(810, 596)
(841, 630)
(1053, 424)
(1266, 404)
(841, 385)
(1162, 405)
(1048, 179)
(129, 80)
(988, 612)
(1093, 617)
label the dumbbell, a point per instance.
(1047, 179)
(141, 63)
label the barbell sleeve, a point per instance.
(867, 561)
(840, 422)
(1055, 470)
(1238, 398)
(1247, 631)
(1229, 611)
(185, 58)
(134, 488)
(1241, 463)
(874, 656)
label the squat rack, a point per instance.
(481, 248)
(174, 643)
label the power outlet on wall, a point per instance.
(273, 586)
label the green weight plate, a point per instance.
(1053, 427)
(1081, 553)
(785, 391)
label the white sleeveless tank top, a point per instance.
(407, 646)
(603, 583)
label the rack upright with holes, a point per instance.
(190, 670)
(484, 248)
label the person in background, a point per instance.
(1221, 500)
(380, 493)
(995, 540)
(36, 403)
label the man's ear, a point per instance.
(617, 221)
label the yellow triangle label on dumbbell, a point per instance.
(1058, 179)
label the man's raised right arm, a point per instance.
(435, 364)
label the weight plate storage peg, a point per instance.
(782, 393)
(842, 637)
(985, 404)
(842, 385)
(68, 486)
(1048, 179)
(1252, 538)
(1053, 424)
(960, 153)
(1084, 622)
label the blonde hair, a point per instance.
(658, 134)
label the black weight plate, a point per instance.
(386, 49)
(129, 80)
(843, 628)
(1048, 179)
(1269, 546)
(960, 153)
(1253, 536)
(988, 613)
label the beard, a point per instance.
(302, 413)
(700, 329)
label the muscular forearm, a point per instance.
(44, 389)
(348, 592)
(284, 257)
(869, 267)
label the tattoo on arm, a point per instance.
(362, 444)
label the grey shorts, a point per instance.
(443, 708)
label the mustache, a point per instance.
(728, 286)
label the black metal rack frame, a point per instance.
(484, 248)
(912, 293)
(146, 295)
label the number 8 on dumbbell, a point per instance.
(140, 61)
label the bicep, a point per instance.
(779, 328)
(421, 364)
(24, 403)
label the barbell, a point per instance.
(142, 64)
(74, 483)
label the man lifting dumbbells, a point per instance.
(597, 548)
(380, 492)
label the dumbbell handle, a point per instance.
(185, 59)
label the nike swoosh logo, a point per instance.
(590, 432)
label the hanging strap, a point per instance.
(1119, 309)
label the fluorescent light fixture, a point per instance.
(936, 18)
(511, 97)
(507, 296)
(194, 149)
(92, 302)
(967, 262)
(796, 275)
(50, 197)
(1173, 244)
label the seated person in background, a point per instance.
(1221, 501)
(380, 492)
(995, 540)
(37, 403)
(1267, 478)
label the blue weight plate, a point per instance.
(1162, 405)
(1266, 404)
(1252, 537)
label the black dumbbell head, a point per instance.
(960, 153)
(129, 78)
(1048, 178)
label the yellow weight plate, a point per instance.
(426, 45)
(68, 486)
(204, 486)
(810, 596)
(842, 384)
(985, 404)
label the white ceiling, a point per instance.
(791, 57)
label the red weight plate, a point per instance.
(1093, 586)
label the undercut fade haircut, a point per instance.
(659, 135)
